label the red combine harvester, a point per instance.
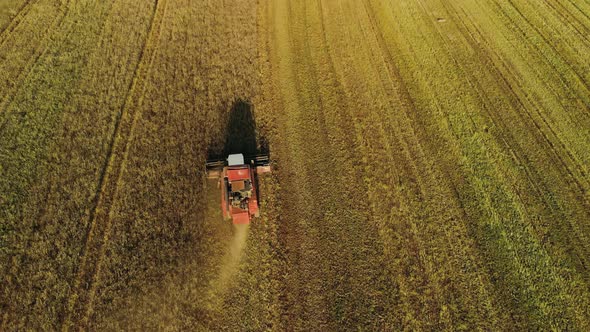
(238, 180)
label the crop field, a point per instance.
(430, 165)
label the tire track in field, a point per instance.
(37, 53)
(80, 303)
(43, 211)
(451, 45)
(563, 167)
(542, 57)
(552, 47)
(585, 14)
(311, 294)
(297, 284)
(485, 54)
(407, 154)
(16, 20)
(65, 39)
(402, 150)
(101, 42)
(335, 112)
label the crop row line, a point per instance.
(580, 234)
(508, 80)
(400, 227)
(583, 12)
(509, 143)
(516, 152)
(396, 134)
(338, 118)
(450, 44)
(409, 166)
(81, 300)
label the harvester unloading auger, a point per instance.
(239, 183)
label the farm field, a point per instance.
(430, 165)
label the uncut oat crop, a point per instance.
(429, 165)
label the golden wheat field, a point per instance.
(430, 165)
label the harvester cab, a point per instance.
(239, 185)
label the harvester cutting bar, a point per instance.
(258, 160)
(215, 167)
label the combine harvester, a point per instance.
(238, 181)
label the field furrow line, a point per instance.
(394, 134)
(343, 115)
(313, 309)
(407, 159)
(304, 302)
(487, 59)
(508, 142)
(4, 101)
(26, 70)
(16, 20)
(285, 235)
(542, 55)
(79, 306)
(509, 78)
(584, 95)
(404, 90)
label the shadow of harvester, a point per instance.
(240, 135)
